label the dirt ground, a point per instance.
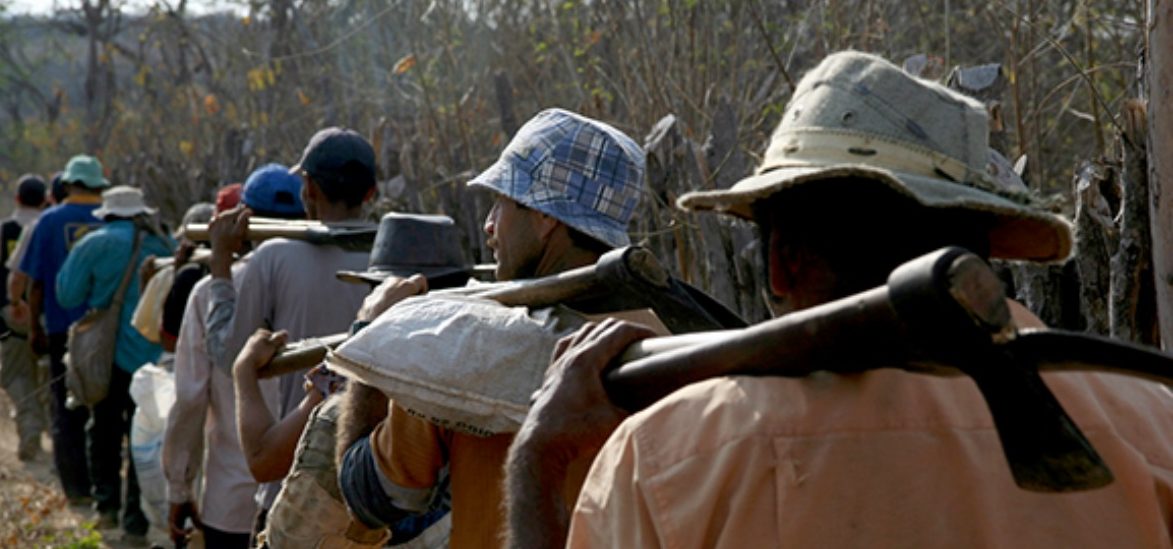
(34, 512)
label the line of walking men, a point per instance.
(868, 168)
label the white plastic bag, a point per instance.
(153, 390)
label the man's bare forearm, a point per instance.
(363, 407)
(268, 444)
(17, 283)
(36, 301)
(534, 508)
(37, 339)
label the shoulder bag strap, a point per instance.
(120, 294)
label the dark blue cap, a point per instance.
(271, 190)
(30, 190)
(58, 188)
(337, 155)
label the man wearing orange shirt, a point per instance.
(566, 188)
(869, 168)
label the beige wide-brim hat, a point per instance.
(122, 201)
(858, 116)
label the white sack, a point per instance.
(153, 390)
(463, 363)
(148, 315)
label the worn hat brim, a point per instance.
(88, 182)
(103, 211)
(376, 277)
(1018, 232)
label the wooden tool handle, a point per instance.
(199, 255)
(300, 355)
(611, 269)
(199, 231)
(792, 345)
(945, 309)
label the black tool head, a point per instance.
(955, 312)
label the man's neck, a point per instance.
(334, 213)
(83, 198)
(563, 259)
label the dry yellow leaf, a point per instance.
(405, 64)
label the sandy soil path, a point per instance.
(34, 512)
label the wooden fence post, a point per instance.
(1132, 301)
(1160, 147)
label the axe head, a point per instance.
(1045, 449)
(632, 265)
(954, 310)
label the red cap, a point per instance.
(228, 197)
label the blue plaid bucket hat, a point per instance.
(579, 171)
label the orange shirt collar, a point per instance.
(82, 199)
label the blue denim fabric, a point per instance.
(359, 480)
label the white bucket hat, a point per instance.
(858, 116)
(122, 201)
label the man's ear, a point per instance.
(370, 193)
(312, 191)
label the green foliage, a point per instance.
(87, 538)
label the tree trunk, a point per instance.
(1132, 299)
(1097, 238)
(1160, 146)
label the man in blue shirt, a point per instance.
(57, 230)
(89, 279)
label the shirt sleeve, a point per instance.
(250, 307)
(409, 453)
(612, 508)
(31, 264)
(183, 441)
(77, 274)
(22, 245)
(221, 309)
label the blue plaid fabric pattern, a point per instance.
(579, 171)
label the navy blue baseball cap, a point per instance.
(338, 155)
(272, 190)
